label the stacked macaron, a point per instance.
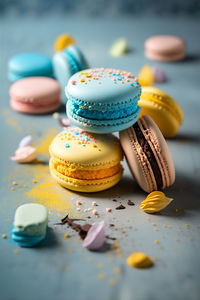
(87, 158)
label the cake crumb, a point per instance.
(14, 183)
(164, 226)
(112, 281)
(156, 242)
(154, 224)
(34, 181)
(4, 236)
(16, 251)
(101, 276)
(186, 225)
(66, 235)
(155, 229)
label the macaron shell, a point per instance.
(99, 152)
(29, 109)
(138, 163)
(160, 149)
(165, 48)
(29, 64)
(165, 112)
(86, 186)
(102, 88)
(35, 89)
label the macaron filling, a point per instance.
(68, 171)
(88, 111)
(149, 154)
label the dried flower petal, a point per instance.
(154, 202)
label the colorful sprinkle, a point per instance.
(67, 145)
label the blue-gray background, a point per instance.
(100, 7)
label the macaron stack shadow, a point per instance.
(68, 62)
(166, 48)
(103, 100)
(148, 155)
(35, 95)
(29, 65)
(30, 225)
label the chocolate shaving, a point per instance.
(120, 207)
(111, 225)
(82, 230)
(110, 238)
(115, 200)
(130, 203)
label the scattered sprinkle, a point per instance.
(94, 203)
(78, 202)
(16, 251)
(155, 229)
(66, 235)
(14, 183)
(12, 188)
(34, 181)
(73, 82)
(25, 185)
(99, 266)
(116, 270)
(164, 226)
(55, 115)
(95, 212)
(154, 224)
(176, 210)
(4, 236)
(112, 281)
(101, 276)
(108, 209)
(156, 242)
(186, 225)
(67, 145)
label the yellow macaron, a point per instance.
(163, 109)
(85, 162)
(63, 41)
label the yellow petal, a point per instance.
(155, 202)
(139, 260)
(146, 76)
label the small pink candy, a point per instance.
(95, 212)
(94, 203)
(78, 202)
(108, 209)
(73, 82)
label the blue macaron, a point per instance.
(103, 100)
(29, 65)
(26, 240)
(68, 62)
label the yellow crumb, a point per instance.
(16, 251)
(169, 226)
(154, 224)
(164, 226)
(12, 189)
(14, 183)
(186, 225)
(139, 260)
(116, 270)
(156, 242)
(25, 185)
(115, 246)
(34, 181)
(100, 266)
(55, 115)
(155, 229)
(176, 210)
(4, 236)
(66, 235)
(101, 276)
(112, 281)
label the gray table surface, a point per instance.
(61, 268)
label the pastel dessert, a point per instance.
(30, 224)
(148, 155)
(68, 62)
(103, 100)
(163, 109)
(119, 47)
(85, 162)
(35, 95)
(95, 237)
(165, 48)
(63, 41)
(146, 76)
(29, 65)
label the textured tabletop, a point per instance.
(61, 268)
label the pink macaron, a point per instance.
(35, 95)
(148, 155)
(165, 48)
